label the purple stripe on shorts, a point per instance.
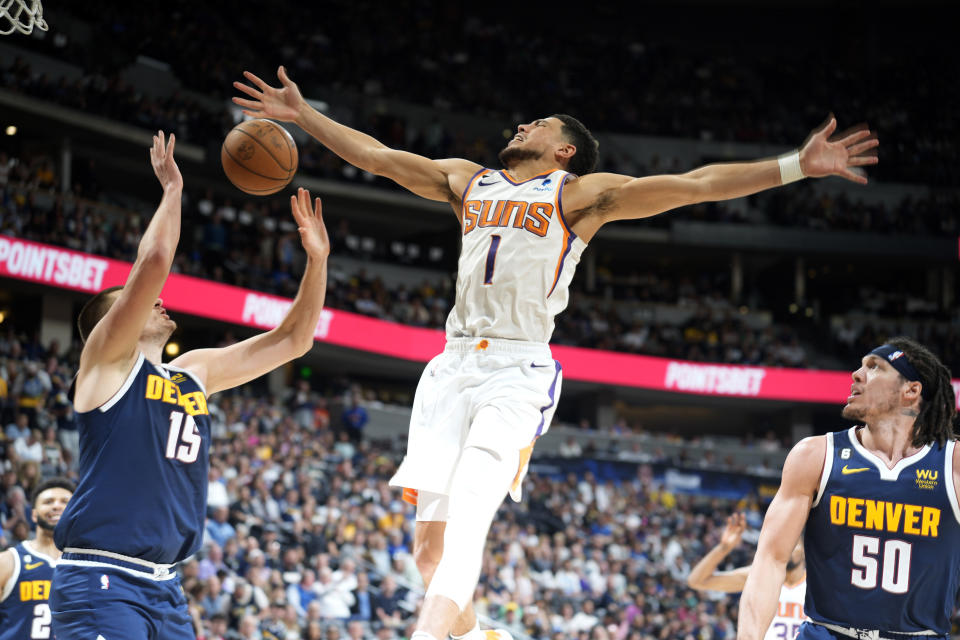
(553, 388)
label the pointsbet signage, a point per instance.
(66, 269)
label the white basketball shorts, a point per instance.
(483, 392)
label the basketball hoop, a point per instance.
(22, 16)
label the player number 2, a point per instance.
(491, 259)
(895, 574)
(183, 440)
(41, 622)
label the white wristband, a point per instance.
(790, 170)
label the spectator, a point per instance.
(354, 418)
(19, 428)
(29, 449)
(302, 593)
(335, 600)
(31, 388)
(218, 529)
(362, 608)
(249, 629)
(386, 605)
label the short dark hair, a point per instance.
(93, 311)
(51, 483)
(938, 405)
(584, 161)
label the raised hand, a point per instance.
(733, 532)
(164, 166)
(843, 156)
(269, 102)
(313, 233)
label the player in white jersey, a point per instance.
(523, 229)
(705, 577)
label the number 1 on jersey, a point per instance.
(491, 259)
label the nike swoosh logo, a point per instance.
(539, 366)
(847, 471)
(485, 184)
(32, 566)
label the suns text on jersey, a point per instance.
(159, 388)
(881, 515)
(531, 216)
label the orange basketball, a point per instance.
(259, 157)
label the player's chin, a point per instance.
(850, 412)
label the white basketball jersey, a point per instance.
(517, 259)
(786, 624)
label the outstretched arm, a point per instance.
(111, 347)
(116, 335)
(782, 525)
(232, 366)
(442, 180)
(616, 197)
(704, 576)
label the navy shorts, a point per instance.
(94, 602)
(811, 631)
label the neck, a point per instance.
(890, 438)
(44, 543)
(530, 168)
(151, 351)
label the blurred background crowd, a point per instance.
(303, 538)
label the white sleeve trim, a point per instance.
(8, 588)
(106, 406)
(827, 468)
(948, 479)
(27, 544)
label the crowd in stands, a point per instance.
(111, 97)
(254, 245)
(305, 540)
(678, 84)
(802, 207)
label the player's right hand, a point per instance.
(164, 166)
(733, 532)
(282, 104)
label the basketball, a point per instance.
(259, 157)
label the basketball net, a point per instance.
(22, 16)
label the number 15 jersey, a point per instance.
(517, 260)
(144, 456)
(883, 545)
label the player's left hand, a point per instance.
(843, 155)
(313, 233)
(733, 532)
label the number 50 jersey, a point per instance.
(883, 545)
(144, 456)
(517, 259)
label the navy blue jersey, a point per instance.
(143, 469)
(24, 607)
(883, 545)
